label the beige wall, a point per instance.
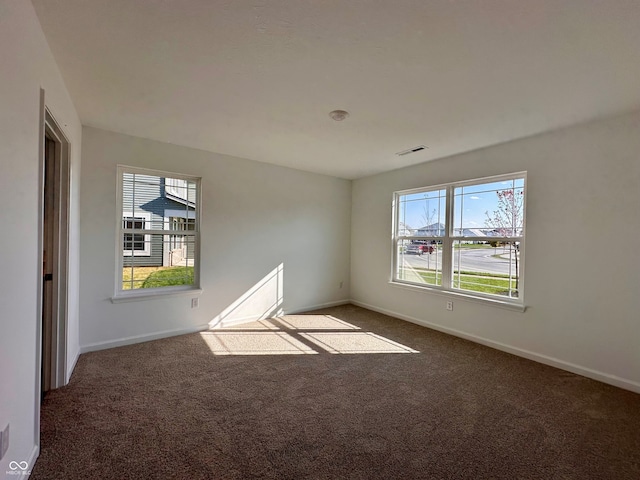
(27, 65)
(255, 217)
(582, 259)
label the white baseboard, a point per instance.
(318, 307)
(92, 347)
(72, 366)
(35, 451)
(537, 357)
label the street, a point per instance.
(469, 259)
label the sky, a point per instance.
(471, 202)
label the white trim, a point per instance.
(121, 295)
(156, 173)
(520, 352)
(179, 213)
(48, 125)
(142, 294)
(533, 356)
(448, 240)
(182, 331)
(460, 294)
(33, 456)
(319, 306)
(72, 367)
(146, 218)
(92, 347)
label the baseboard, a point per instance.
(72, 366)
(92, 347)
(318, 306)
(35, 451)
(536, 357)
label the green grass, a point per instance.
(169, 277)
(491, 283)
(484, 284)
(471, 245)
(154, 277)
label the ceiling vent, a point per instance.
(411, 150)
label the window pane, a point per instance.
(419, 262)
(158, 260)
(133, 242)
(135, 277)
(486, 268)
(148, 197)
(422, 214)
(489, 209)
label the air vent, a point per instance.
(411, 150)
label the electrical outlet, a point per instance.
(4, 441)
(449, 306)
(195, 302)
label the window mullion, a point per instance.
(447, 243)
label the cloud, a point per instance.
(474, 198)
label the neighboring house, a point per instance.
(433, 230)
(405, 230)
(437, 230)
(157, 203)
(474, 232)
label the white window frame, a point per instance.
(449, 239)
(146, 218)
(121, 295)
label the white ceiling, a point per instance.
(257, 79)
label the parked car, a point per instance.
(413, 249)
(427, 248)
(419, 248)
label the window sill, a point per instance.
(151, 294)
(516, 307)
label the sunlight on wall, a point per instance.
(261, 301)
(298, 335)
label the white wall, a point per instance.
(27, 65)
(255, 217)
(582, 257)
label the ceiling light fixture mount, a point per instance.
(339, 115)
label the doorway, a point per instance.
(54, 180)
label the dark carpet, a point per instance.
(335, 394)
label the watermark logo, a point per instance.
(18, 468)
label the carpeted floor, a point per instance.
(342, 393)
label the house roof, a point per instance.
(258, 79)
(433, 226)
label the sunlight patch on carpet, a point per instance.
(298, 335)
(255, 343)
(315, 322)
(356, 342)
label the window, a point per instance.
(158, 233)
(465, 237)
(135, 243)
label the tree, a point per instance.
(508, 219)
(428, 218)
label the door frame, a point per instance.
(49, 127)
